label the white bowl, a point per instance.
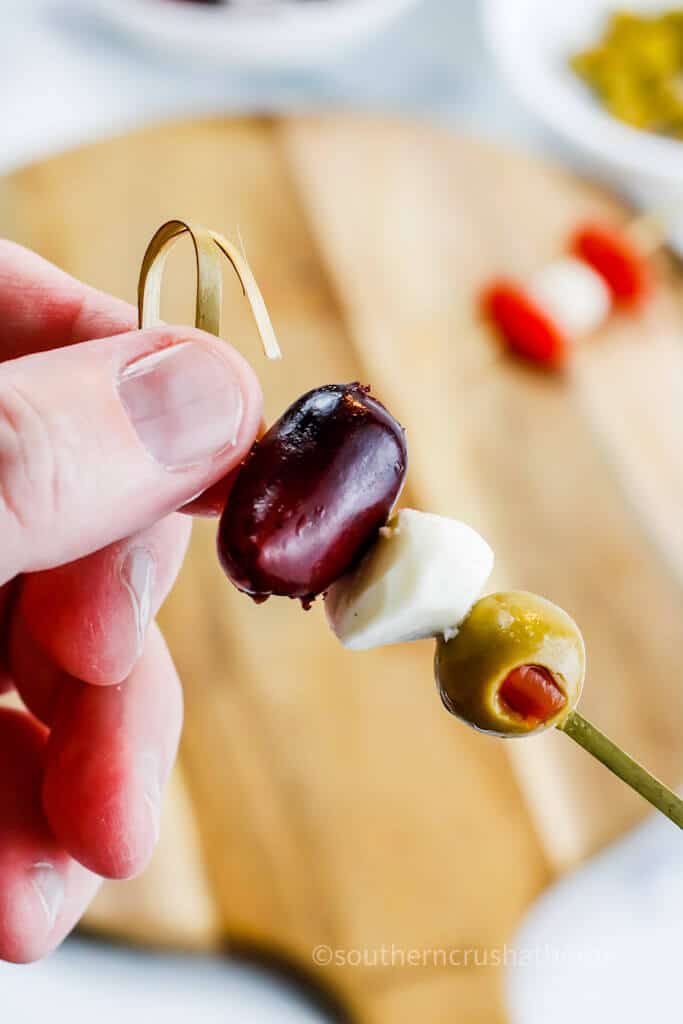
(531, 41)
(273, 33)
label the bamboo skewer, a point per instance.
(623, 766)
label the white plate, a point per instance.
(531, 41)
(85, 982)
(604, 943)
(276, 33)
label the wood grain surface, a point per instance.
(325, 797)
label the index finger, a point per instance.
(42, 307)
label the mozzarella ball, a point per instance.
(420, 579)
(573, 295)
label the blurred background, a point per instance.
(384, 161)
(82, 70)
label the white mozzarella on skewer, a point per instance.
(573, 295)
(420, 579)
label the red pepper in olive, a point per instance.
(312, 494)
(531, 692)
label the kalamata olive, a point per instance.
(312, 494)
(516, 665)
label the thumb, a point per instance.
(101, 439)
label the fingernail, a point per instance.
(49, 886)
(150, 783)
(184, 402)
(137, 576)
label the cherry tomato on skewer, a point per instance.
(525, 328)
(611, 254)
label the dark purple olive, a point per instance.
(312, 494)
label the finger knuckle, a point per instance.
(29, 473)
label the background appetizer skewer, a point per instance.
(510, 664)
(605, 269)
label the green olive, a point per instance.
(503, 633)
(635, 68)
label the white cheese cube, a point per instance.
(420, 579)
(573, 295)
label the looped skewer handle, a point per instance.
(210, 249)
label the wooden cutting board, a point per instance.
(325, 797)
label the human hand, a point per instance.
(105, 432)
